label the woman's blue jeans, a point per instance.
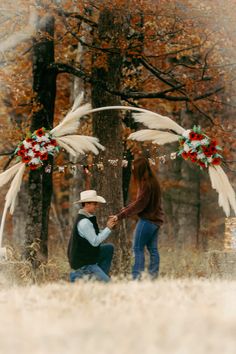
(145, 235)
(98, 271)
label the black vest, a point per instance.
(80, 252)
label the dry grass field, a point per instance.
(190, 309)
(184, 316)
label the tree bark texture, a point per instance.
(40, 181)
(107, 126)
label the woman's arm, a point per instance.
(137, 206)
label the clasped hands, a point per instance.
(112, 221)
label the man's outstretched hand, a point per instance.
(112, 221)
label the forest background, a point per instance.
(176, 58)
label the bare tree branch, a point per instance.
(65, 68)
(77, 16)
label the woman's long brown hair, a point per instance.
(144, 176)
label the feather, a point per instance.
(156, 121)
(216, 184)
(148, 118)
(77, 102)
(220, 182)
(9, 174)
(228, 189)
(4, 214)
(66, 147)
(14, 188)
(156, 136)
(231, 192)
(71, 121)
(10, 199)
(81, 143)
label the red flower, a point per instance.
(193, 156)
(216, 161)
(193, 136)
(196, 136)
(36, 153)
(40, 132)
(185, 155)
(21, 152)
(202, 164)
(29, 140)
(207, 151)
(213, 142)
(200, 137)
(193, 159)
(53, 142)
(212, 150)
(33, 167)
(44, 156)
(26, 159)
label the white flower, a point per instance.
(201, 156)
(43, 149)
(186, 147)
(35, 161)
(30, 153)
(186, 133)
(195, 143)
(45, 138)
(27, 145)
(209, 159)
(204, 141)
(50, 148)
(37, 147)
(39, 139)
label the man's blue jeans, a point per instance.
(145, 235)
(98, 271)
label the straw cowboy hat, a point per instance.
(90, 196)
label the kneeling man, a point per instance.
(85, 253)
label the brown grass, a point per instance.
(181, 316)
(190, 309)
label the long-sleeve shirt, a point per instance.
(86, 230)
(143, 207)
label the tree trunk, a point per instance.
(77, 182)
(107, 126)
(40, 181)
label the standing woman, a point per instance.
(149, 210)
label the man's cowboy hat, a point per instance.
(90, 196)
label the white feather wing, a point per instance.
(156, 136)
(14, 188)
(10, 199)
(78, 101)
(230, 193)
(220, 182)
(71, 121)
(65, 146)
(157, 121)
(82, 143)
(9, 174)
